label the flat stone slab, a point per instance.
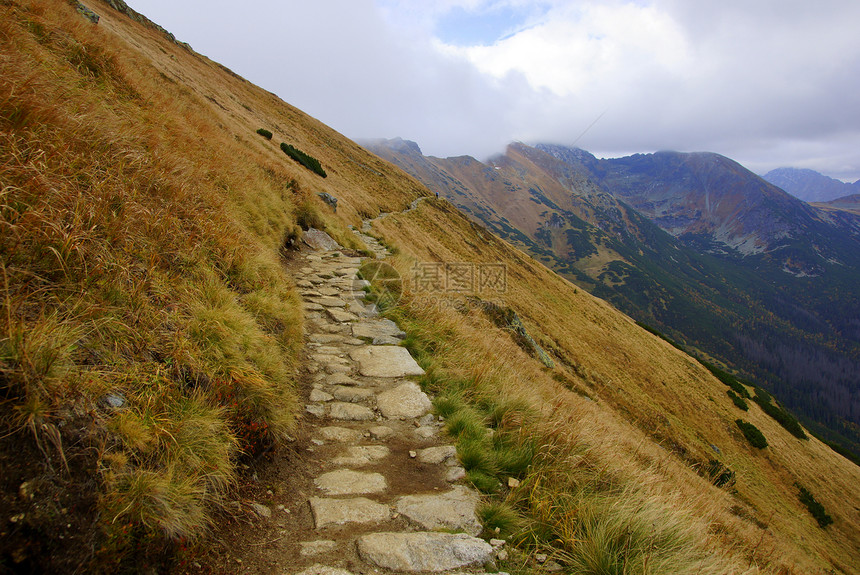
(350, 412)
(319, 240)
(340, 379)
(437, 455)
(358, 455)
(328, 301)
(340, 315)
(404, 401)
(349, 482)
(351, 394)
(454, 510)
(324, 570)
(385, 361)
(424, 551)
(340, 511)
(340, 434)
(371, 329)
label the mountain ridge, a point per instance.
(564, 214)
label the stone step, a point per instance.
(453, 511)
(385, 361)
(327, 511)
(349, 482)
(420, 552)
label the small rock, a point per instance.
(497, 542)
(115, 400)
(309, 548)
(425, 432)
(381, 432)
(455, 473)
(437, 455)
(502, 555)
(540, 558)
(426, 420)
(413, 454)
(513, 482)
(261, 510)
(553, 567)
(315, 409)
(317, 395)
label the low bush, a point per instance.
(815, 508)
(752, 433)
(265, 133)
(728, 379)
(304, 159)
(737, 400)
(782, 417)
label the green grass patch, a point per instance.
(265, 133)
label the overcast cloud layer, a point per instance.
(769, 83)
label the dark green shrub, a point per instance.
(265, 133)
(752, 433)
(816, 508)
(737, 400)
(304, 159)
(785, 419)
(727, 379)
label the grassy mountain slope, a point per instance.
(150, 335)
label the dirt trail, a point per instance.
(378, 487)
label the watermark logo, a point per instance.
(460, 277)
(433, 283)
(386, 281)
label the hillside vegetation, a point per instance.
(150, 337)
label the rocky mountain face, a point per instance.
(809, 185)
(693, 244)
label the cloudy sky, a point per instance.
(769, 83)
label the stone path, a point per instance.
(388, 495)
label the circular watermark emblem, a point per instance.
(378, 283)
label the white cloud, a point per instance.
(769, 83)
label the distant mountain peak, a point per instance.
(809, 185)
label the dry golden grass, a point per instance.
(657, 412)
